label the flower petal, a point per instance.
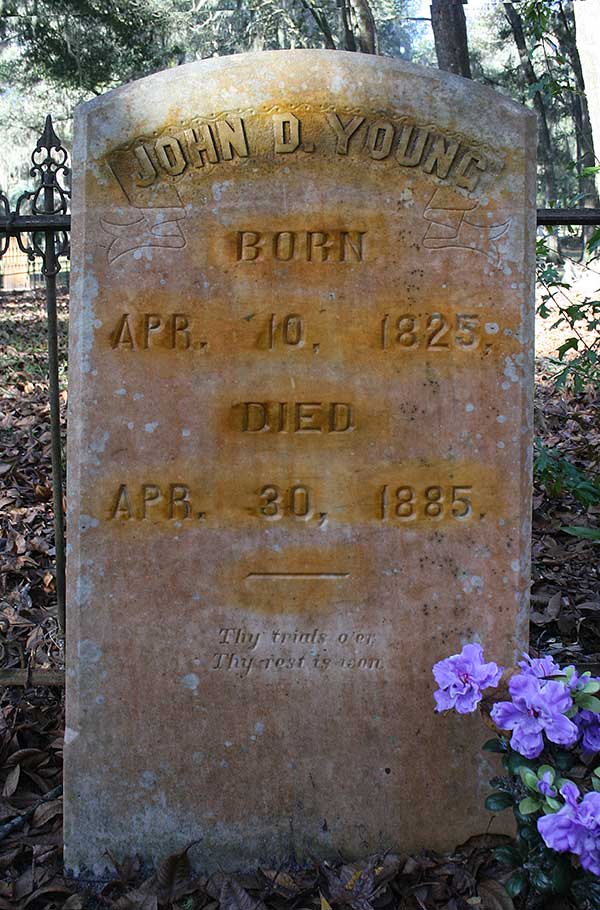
(530, 745)
(443, 700)
(467, 703)
(560, 831)
(556, 696)
(561, 730)
(488, 675)
(506, 715)
(444, 673)
(570, 792)
(473, 654)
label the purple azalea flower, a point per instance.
(588, 724)
(589, 817)
(545, 785)
(537, 707)
(576, 682)
(543, 667)
(570, 793)
(539, 666)
(575, 828)
(561, 834)
(579, 682)
(462, 679)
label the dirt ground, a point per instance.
(585, 282)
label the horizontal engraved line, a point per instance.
(299, 575)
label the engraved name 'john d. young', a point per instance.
(201, 144)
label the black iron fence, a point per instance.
(41, 223)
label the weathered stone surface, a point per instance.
(300, 426)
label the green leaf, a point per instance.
(546, 769)
(540, 881)
(589, 703)
(527, 833)
(508, 856)
(587, 533)
(496, 802)
(516, 762)
(529, 805)
(516, 883)
(529, 778)
(494, 745)
(571, 344)
(594, 241)
(596, 784)
(596, 771)
(591, 688)
(561, 876)
(587, 893)
(564, 760)
(554, 804)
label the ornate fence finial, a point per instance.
(48, 140)
(51, 196)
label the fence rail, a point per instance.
(41, 224)
(568, 216)
(13, 226)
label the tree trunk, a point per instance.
(359, 32)
(586, 18)
(450, 36)
(363, 26)
(321, 22)
(545, 140)
(581, 114)
(348, 42)
(358, 26)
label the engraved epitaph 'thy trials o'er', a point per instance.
(299, 469)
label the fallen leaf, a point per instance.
(75, 902)
(12, 781)
(174, 875)
(46, 812)
(282, 883)
(129, 869)
(494, 895)
(234, 897)
(53, 888)
(136, 900)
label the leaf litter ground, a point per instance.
(565, 621)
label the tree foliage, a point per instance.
(86, 44)
(91, 45)
(71, 49)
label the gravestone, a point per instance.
(299, 454)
